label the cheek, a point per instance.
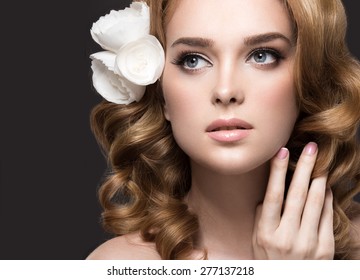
(171, 91)
(277, 90)
(271, 104)
(281, 98)
(279, 105)
(180, 94)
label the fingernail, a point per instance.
(311, 148)
(282, 154)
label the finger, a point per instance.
(274, 197)
(256, 223)
(299, 186)
(310, 221)
(326, 228)
(259, 252)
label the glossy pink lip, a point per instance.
(230, 130)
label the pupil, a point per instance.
(192, 62)
(260, 57)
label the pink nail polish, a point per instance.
(311, 148)
(282, 154)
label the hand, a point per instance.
(302, 226)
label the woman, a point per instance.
(246, 147)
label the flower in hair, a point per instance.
(132, 58)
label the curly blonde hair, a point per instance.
(150, 175)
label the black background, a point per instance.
(51, 165)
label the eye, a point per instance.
(192, 62)
(264, 57)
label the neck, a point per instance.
(225, 205)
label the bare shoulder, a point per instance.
(126, 247)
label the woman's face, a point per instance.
(228, 82)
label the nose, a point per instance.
(228, 89)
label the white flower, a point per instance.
(141, 61)
(117, 28)
(112, 87)
(133, 59)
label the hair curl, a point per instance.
(150, 175)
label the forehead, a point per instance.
(227, 19)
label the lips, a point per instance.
(230, 124)
(228, 131)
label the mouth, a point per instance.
(229, 130)
(228, 124)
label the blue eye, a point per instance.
(192, 62)
(264, 57)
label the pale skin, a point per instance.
(239, 66)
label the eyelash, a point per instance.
(275, 53)
(183, 56)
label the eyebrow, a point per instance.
(249, 41)
(194, 42)
(266, 37)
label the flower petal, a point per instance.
(106, 57)
(141, 61)
(111, 86)
(117, 28)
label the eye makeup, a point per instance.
(262, 57)
(192, 62)
(265, 57)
